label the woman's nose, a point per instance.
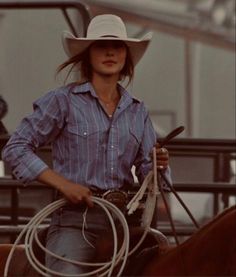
(110, 51)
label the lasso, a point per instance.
(118, 257)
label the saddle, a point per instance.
(135, 263)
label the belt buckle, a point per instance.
(116, 197)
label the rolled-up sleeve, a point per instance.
(35, 130)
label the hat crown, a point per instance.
(106, 25)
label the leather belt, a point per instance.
(116, 196)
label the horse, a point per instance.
(210, 251)
(19, 264)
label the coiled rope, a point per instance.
(118, 257)
(30, 231)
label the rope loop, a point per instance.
(119, 256)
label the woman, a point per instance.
(97, 130)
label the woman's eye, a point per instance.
(106, 44)
(100, 44)
(119, 44)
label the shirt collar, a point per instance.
(88, 88)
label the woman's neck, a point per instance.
(106, 89)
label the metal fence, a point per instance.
(219, 182)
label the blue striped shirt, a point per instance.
(88, 147)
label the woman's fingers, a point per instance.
(77, 193)
(89, 201)
(162, 158)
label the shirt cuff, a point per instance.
(29, 171)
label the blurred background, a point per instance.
(187, 77)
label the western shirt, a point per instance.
(88, 146)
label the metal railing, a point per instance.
(81, 7)
(220, 151)
(11, 226)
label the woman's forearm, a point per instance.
(53, 179)
(74, 192)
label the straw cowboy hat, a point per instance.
(105, 27)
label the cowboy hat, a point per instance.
(105, 27)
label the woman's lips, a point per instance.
(109, 62)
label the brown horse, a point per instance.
(211, 251)
(19, 265)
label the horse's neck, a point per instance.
(210, 251)
(217, 224)
(217, 241)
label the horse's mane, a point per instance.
(209, 224)
(209, 251)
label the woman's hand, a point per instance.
(77, 193)
(162, 157)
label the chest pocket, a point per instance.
(85, 141)
(135, 135)
(134, 141)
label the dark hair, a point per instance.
(83, 63)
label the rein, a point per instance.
(162, 176)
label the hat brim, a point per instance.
(74, 46)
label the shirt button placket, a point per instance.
(114, 146)
(112, 157)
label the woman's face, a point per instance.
(107, 57)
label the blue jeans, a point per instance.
(65, 237)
